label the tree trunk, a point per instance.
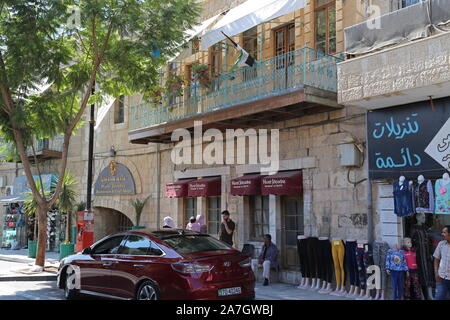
(67, 226)
(42, 236)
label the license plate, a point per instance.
(229, 291)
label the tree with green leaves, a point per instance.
(54, 52)
(138, 206)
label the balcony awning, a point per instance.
(207, 187)
(246, 16)
(178, 189)
(283, 183)
(248, 185)
(196, 31)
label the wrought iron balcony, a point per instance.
(276, 76)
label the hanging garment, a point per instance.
(398, 284)
(350, 262)
(442, 197)
(423, 196)
(403, 199)
(396, 260)
(379, 258)
(313, 256)
(411, 259)
(325, 261)
(338, 253)
(302, 250)
(364, 259)
(412, 290)
(424, 258)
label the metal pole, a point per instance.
(370, 231)
(90, 155)
(158, 188)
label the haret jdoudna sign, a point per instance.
(115, 179)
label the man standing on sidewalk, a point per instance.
(227, 228)
(442, 266)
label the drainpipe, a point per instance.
(370, 230)
(158, 187)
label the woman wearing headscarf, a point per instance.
(202, 224)
(193, 225)
(168, 222)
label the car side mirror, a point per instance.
(87, 250)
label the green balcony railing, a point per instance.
(275, 76)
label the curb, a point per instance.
(20, 260)
(29, 278)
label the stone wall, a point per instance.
(390, 72)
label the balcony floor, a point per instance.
(298, 103)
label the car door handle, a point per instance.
(138, 266)
(108, 264)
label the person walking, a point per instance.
(193, 225)
(227, 228)
(168, 222)
(202, 224)
(442, 266)
(268, 258)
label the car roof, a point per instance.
(165, 233)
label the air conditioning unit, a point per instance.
(9, 190)
(3, 181)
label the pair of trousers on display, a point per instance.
(325, 262)
(398, 283)
(412, 290)
(338, 253)
(313, 256)
(364, 259)
(379, 259)
(302, 248)
(351, 263)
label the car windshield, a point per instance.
(185, 244)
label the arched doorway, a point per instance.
(108, 221)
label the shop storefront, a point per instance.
(19, 226)
(409, 157)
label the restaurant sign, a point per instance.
(114, 180)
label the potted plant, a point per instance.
(138, 206)
(202, 75)
(66, 202)
(174, 85)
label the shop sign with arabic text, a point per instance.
(399, 139)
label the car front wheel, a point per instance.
(69, 288)
(147, 291)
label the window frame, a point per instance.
(186, 216)
(253, 235)
(326, 7)
(96, 245)
(140, 255)
(208, 208)
(119, 110)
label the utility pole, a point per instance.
(90, 155)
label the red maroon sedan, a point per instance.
(151, 265)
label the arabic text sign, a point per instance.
(115, 180)
(398, 137)
(439, 147)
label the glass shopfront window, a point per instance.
(259, 217)
(213, 216)
(190, 209)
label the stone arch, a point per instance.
(123, 207)
(103, 163)
(108, 221)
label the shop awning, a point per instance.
(283, 183)
(246, 16)
(178, 189)
(207, 187)
(248, 185)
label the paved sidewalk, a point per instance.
(16, 266)
(283, 291)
